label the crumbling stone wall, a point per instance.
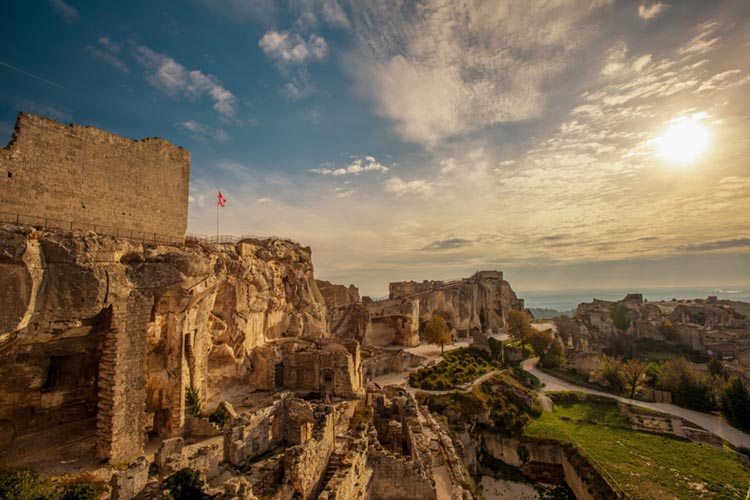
(93, 177)
(325, 365)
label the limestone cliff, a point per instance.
(481, 302)
(91, 325)
(347, 317)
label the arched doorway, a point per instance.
(326, 380)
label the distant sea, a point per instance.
(565, 300)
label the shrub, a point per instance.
(193, 401)
(185, 484)
(23, 483)
(80, 491)
(620, 317)
(220, 416)
(735, 404)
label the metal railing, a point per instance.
(60, 225)
(231, 239)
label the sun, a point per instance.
(684, 141)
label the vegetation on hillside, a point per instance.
(644, 465)
(502, 404)
(25, 483)
(459, 366)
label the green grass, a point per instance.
(459, 366)
(646, 466)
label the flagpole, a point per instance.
(217, 221)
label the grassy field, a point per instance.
(647, 466)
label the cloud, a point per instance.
(717, 245)
(652, 11)
(300, 87)
(400, 187)
(174, 79)
(312, 13)
(364, 164)
(242, 11)
(53, 111)
(67, 12)
(201, 130)
(449, 244)
(108, 52)
(290, 48)
(448, 68)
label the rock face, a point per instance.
(348, 318)
(100, 329)
(479, 303)
(709, 326)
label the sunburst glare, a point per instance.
(685, 140)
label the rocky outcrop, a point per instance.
(348, 318)
(481, 302)
(99, 327)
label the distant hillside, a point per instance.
(544, 313)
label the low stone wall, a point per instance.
(253, 434)
(579, 474)
(382, 362)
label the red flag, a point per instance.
(220, 200)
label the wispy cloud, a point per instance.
(299, 87)
(290, 48)
(651, 11)
(400, 187)
(65, 11)
(108, 52)
(175, 80)
(54, 111)
(201, 130)
(435, 77)
(449, 244)
(364, 164)
(717, 245)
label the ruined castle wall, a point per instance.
(305, 464)
(352, 480)
(92, 177)
(396, 477)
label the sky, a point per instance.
(571, 144)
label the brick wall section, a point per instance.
(93, 177)
(122, 381)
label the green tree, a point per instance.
(609, 373)
(436, 332)
(519, 327)
(634, 375)
(735, 404)
(689, 387)
(620, 317)
(715, 367)
(185, 484)
(554, 356)
(540, 341)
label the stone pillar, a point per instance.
(122, 381)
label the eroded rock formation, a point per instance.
(95, 327)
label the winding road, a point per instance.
(711, 423)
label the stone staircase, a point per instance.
(334, 464)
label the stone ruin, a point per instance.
(102, 332)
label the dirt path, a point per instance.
(712, 424)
